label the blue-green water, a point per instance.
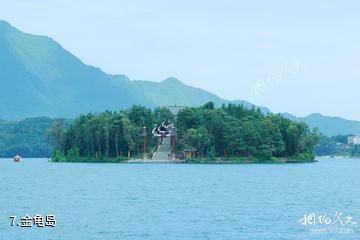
(177, 201)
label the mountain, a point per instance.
(330, 126)
(28, 137)
(38, 77)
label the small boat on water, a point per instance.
(17, 158)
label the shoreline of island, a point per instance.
(189, 161)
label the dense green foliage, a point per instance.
(229, 132)
(108, 136)
(27, 137)
(336, 146)
(235, 131)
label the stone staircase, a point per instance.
(163, 151)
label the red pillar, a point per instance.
(145, 142)
(173, 148)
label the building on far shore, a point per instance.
(354, 140)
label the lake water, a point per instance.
(179, 201)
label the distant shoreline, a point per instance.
(338, 156)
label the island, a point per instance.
(206, 134)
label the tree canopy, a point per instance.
(107, 135)
(236, 131)
(229, 131)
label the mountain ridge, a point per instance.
(37, 68)
(329, 125)
(34, 69)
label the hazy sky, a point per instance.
(291, 56)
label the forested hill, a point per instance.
(330, 126)
(230, 132)
(28, 137)
(40, 78)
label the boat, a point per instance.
(17, 158)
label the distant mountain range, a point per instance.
(38, 77)
(330, 126)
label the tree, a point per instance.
(56, 135)
(231, 130)
(163, 114)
